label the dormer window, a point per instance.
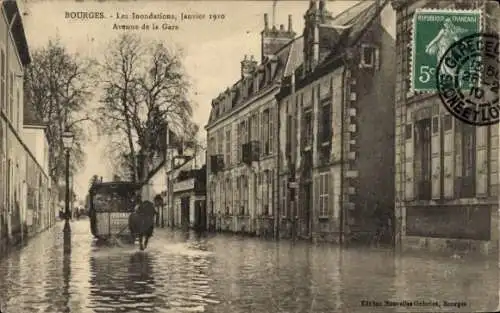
(369, 57)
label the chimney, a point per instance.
(274, 39)
(321, 5)
(248, 66)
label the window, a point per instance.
(423, 159)
(228, 147)
(368, 56)
(326, 121)
(284, 206)
(289, 135)
(323, 194)
(307, 129)
(229, 196)
(211, 146)
(408, 131)
(220, 141)
(243, 195)
(265, 192)
(265, 132)
(271, 131)
(239, 141)
(465, 160)
(236, 200)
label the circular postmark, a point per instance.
(467, 79)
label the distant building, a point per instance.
(242, 168)
(336, 124)
(446, 171)
(159, 172)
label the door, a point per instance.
(307, 209)
(202, 215)
(185, 211)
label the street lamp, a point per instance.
(67, 138)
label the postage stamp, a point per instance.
(467, 79)
(434, 31)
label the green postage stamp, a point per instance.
(434, 31)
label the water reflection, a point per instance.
(187, 272)
(66, 274)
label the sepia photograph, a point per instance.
(238, 156)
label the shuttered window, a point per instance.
(436, 158)
(465, 160)
(448, 155)
(323, 194)
(482, 169)
(408, 154)
(316, 188)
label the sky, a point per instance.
(212, 49)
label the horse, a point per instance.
(141, 223)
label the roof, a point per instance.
(287, 58)
(12, 12)
(295, 56)
(350, 25)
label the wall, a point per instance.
(374, 148)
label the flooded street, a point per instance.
(228, 274)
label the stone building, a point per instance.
(336, 133)
(242, 133)
(446, 171)
(26, 201)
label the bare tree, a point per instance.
(58, 87)
(145, 93)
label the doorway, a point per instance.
(185, 212)
(200, 215)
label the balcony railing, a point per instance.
(251, 151)
(216, 163)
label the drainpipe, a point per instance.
(342, 141)
(7, 75)
(278, 166)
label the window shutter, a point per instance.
(458, 157)
(317, 190)
(331, 194)
(409, 156)
(435, 159)
(481, 161)
(448, 178)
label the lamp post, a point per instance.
(67, 138)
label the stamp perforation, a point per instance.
(411, 91)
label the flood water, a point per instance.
(182, 272)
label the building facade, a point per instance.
(446, 171)
(242, 130)
(189, 198)
(25, 196)
(336, 133)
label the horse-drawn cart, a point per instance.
(111, 204)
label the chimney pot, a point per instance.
(266, 21)
(282, 27)
(290, 23)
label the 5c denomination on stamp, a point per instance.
(467, 79)
(434, 31)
